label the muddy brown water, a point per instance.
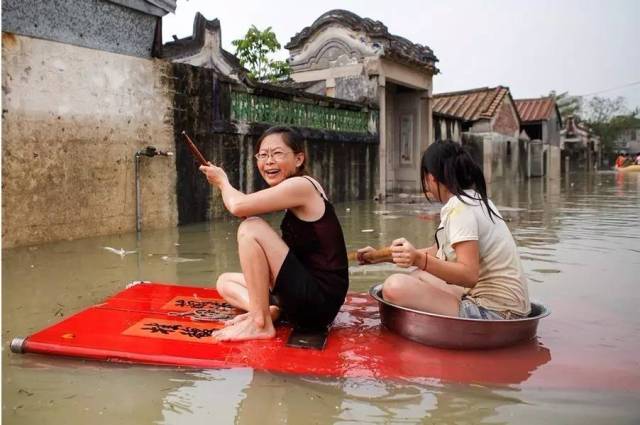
(579, 239)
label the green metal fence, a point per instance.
(250, 108)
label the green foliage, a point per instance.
(609, 118)
(253, 50)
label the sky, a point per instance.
(585, 47)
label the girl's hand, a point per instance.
(403, 253)
(361, 255)
(215, 175)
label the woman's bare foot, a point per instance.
(246, 329)
(274, 312)
(237, 319)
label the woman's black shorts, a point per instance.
(300, 296)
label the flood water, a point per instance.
(579, 239)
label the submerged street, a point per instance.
(579, 239)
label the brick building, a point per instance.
(487, 119)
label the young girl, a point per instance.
(304, 271)
(473, 270)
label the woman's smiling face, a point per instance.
(276, 161)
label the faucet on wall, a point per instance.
(149, 151)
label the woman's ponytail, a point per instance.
(452, 165)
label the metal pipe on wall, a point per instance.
(149, 151)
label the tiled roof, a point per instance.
(394, 46)
(470, 105)
(540, 109)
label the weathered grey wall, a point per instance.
(499, 156)
(97, 24)
(505, 158)
(551, 131)
(551, 138)
(553, 162)
(355, 88)
(73, 119)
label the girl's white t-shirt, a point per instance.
(502, 285)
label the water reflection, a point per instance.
(279, 399)
(207, 397)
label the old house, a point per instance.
(487, 119)
(541, 121)
(580, 147)
(349, 57)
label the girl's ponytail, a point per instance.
(452, 165)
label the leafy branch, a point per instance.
(253, 52)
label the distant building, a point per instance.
(541, 120)
(488, 119)
(349, 57)
(580, 147)
(629, 139)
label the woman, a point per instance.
(473, 270)
(304, 272)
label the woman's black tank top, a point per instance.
(319, 245)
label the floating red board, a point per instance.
(149, 323)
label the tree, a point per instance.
(608, 118)
(603, 109)
(253, 50)
(567, 104)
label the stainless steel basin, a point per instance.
(454, 332)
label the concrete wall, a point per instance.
(551, 131)
(389, 129)
(551, 139)
(501, 157)
(355, 88)
(346, 170)
(73, 119)
(553, 162)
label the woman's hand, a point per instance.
(360, 256)
(403, 253)
(215, 175)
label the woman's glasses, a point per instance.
(277, 156)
